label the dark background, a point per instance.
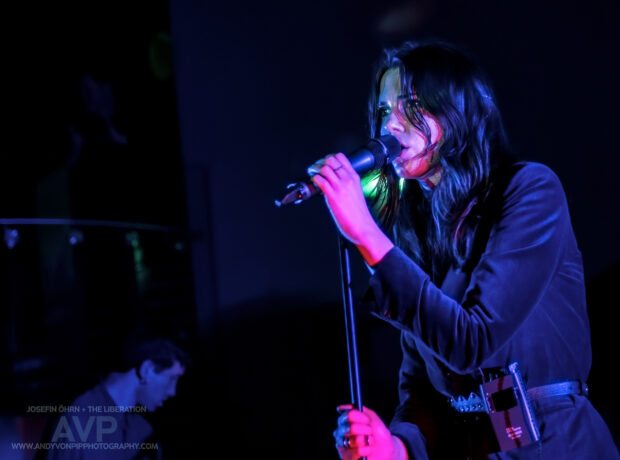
(160, 134)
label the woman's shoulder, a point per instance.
(515, 176)
(530, 185)
(521, 182)
(534, 170)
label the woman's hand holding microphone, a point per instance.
(342, 188)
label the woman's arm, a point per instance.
(520, 260)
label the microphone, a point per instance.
(377, 152)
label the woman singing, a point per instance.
(475, 261)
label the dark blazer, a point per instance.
(521, 298)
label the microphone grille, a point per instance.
(384, 149)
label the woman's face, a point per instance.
(415, 160)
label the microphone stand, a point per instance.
(349, 323)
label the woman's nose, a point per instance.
(394, 124)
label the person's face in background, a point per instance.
(158, 386)
(415, 160)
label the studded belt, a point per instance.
(475, 403)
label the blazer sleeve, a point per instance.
(521, 258)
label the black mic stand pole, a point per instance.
(349, 323)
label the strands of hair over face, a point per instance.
(436, 227)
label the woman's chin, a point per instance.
(413, 169)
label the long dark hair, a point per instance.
(434, 227)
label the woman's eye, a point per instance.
(383, 111)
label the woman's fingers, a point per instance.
(333, 162)
(352, 429)
(323, 184)
(354, 416)
(359, 429)
(346, 164)
(337, 163)
(341, 166)
(352, 442)
(327, 178)
(316, 167)
(362, 434)
(345, 198)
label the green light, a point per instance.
(369, 184)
